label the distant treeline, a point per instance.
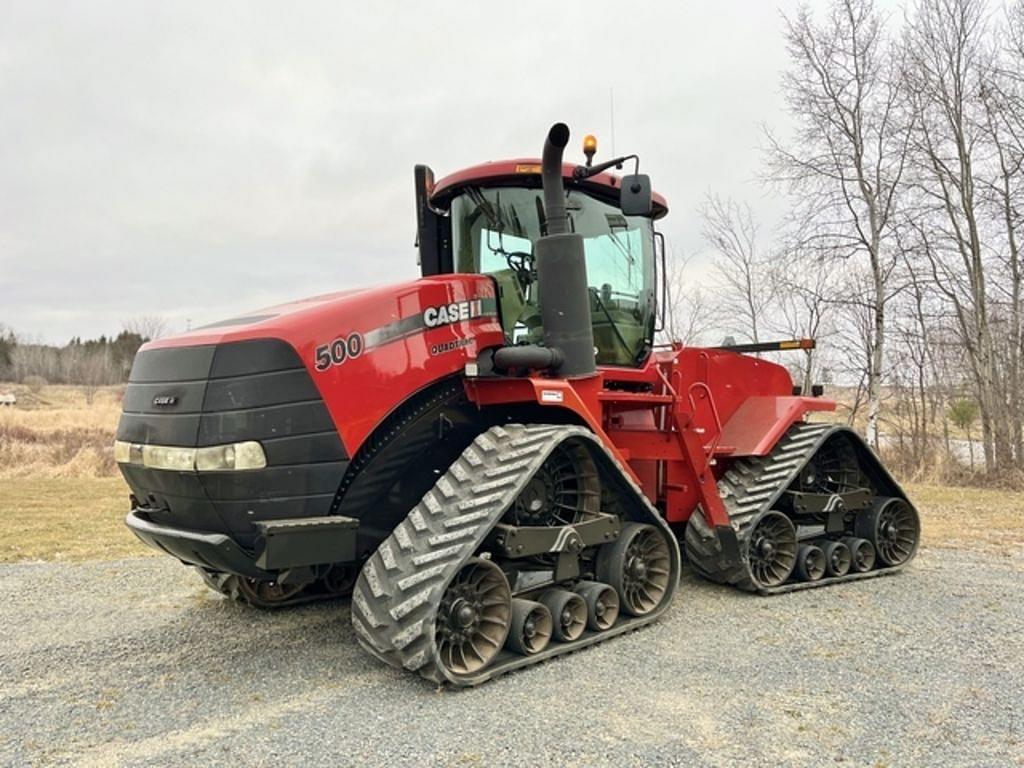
(89, 363)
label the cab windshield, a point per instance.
(493, 232)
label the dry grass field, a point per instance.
(55, 433)
(61, 497)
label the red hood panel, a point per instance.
(369, 350)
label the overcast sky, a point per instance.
(197, 160)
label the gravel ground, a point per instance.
(132, 662)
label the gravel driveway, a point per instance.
(132, 662)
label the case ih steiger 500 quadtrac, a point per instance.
(495, 459)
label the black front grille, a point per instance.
(227, 393)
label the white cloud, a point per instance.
(195, 160)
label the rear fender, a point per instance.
(761, 421)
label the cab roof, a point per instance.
(525, 172)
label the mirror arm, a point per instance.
(581, 172)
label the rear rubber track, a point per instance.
(228, 585)
(397, 595)
(750, 487)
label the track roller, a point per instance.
(602, 604)
(893, 528)
(862, 554)
(568, 613)
(531, 627)
(637, 567)
(837, 558)
(810, 562)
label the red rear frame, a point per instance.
(675, 422)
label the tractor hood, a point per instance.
(300, 386)
(364, 350)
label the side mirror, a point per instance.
(635, 195)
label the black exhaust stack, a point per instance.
(562, 270)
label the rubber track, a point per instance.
(397, 594)
(750, 487)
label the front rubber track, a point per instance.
(398, 593)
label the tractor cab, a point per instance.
(488, 218)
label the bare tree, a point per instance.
(946, 76)
(1002, 96)
(806, 298)
(33, 359)
(96, 368)
(687, 312)
(149, 327)
(846, 162)
(742, 269)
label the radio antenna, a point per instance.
(611, 116)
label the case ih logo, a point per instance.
(349, 346)
(456, 312)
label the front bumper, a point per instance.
(283, 544)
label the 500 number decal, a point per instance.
(338, 351)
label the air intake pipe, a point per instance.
(562, 270)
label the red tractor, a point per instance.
(496, 460)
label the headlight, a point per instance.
(166, 457)
(122, 452)
(217, 458)
(248, 455)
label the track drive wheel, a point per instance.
(893, 528)
(638, 568)
(772, 551)
(563, 491)
(474, 617)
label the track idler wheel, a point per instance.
(893, 528)
(862, 554)
(340, 580)
(637, 567)
(602, 604)
(772, 551)
(474, 617)
(568, 612)
(837, 558)
(531, 627)
(267, 594)
(810, 562)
